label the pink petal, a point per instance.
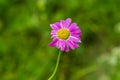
(62, 23)
(76, 45)
(54, 26)
(66, 48)
(63, 44)
(53, 43)
(53, 32)
(76, 31)
(65, 23)
(59, 44)
(70, 44)
(75, 34)
(53, 36)
(58, 25)
(68, 21)
(74, 39)
(73, 27)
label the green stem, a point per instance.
(57, 63)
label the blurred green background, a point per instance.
(25, 35)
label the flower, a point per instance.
(65, 35)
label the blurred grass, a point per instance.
(25, 34)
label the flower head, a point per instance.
(65, 35)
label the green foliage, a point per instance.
(25, 34)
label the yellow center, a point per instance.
(63, 34)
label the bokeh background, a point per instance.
(25, 35)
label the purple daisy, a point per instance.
(65, 35)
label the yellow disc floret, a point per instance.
(63, 33)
